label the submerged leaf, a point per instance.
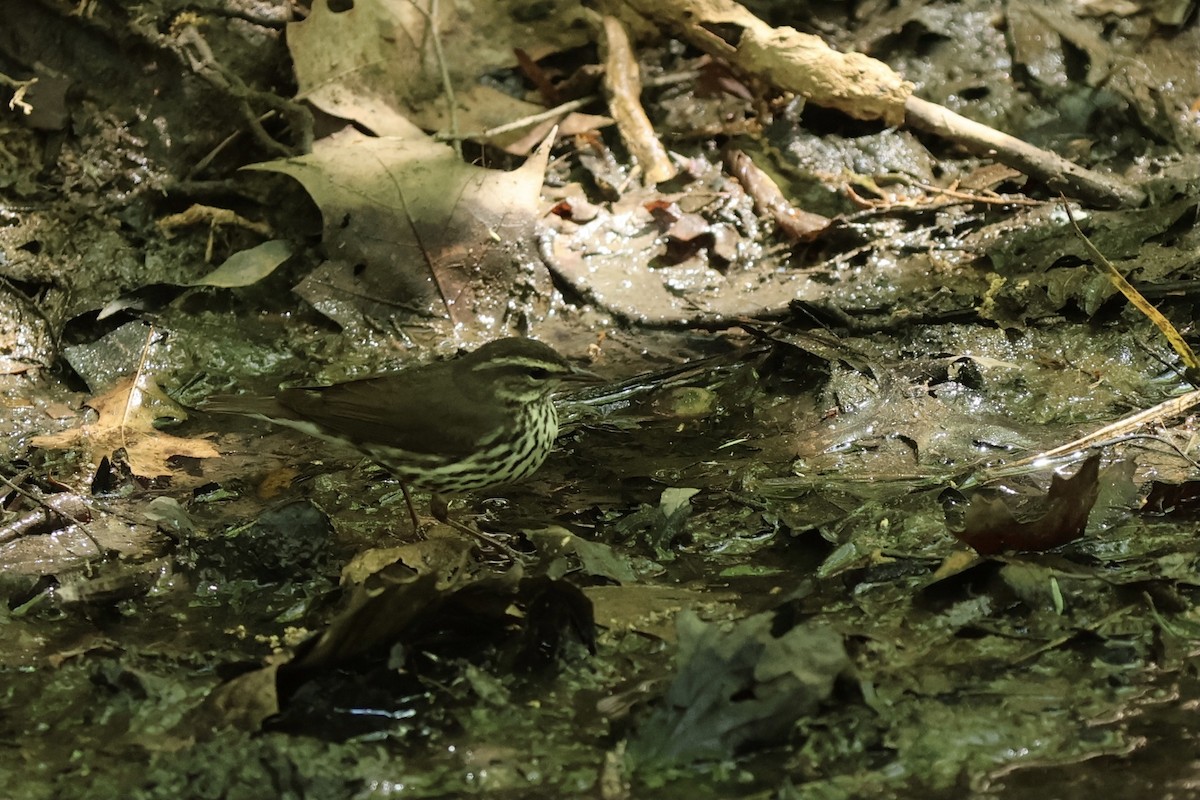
(397, 613)
(736, 686)
(1180, 500)
(991, 527)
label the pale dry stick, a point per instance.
(135, 386)
(198, 214)
(950, 197)
(19, 89)
(1174, 407)
(523, 122)
(864, 88)
(984, 198)
(436, 39)
(623, 86)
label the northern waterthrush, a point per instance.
(481, 420)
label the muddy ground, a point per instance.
(825, 529)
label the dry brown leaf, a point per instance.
(126, 420)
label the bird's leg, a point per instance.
(412, 511)
(439, 506)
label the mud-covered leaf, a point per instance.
(991, 526)
(446, 556)
(651, 609)
(736, 685)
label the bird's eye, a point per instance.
(539, 373)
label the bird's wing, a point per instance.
(243, 404)
(389, 410)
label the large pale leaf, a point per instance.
(410, 228)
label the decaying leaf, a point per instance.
(1180, 500)
(595, 558)
(411, 229)
(126, 421)
(991, 527)
(737, 685)
(248, 266)
(446, 556)
(377, 62)
(418, 613)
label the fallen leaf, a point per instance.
(248, 266)
(126, 421)
(991, 527)
(738, 685)
(375, 62)
(415, 230)
(595, 558)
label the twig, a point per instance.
(1135, 298)
(562, 109)
(447, 86)
(623, 86)
(198, 214)
(523, 122)
(864, 88)
(1121, 428)
(19, 89)
(46, 504)
(204, 63)
(203, 163)
(135, 386)
(1056, 172)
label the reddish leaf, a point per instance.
(991, 527)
